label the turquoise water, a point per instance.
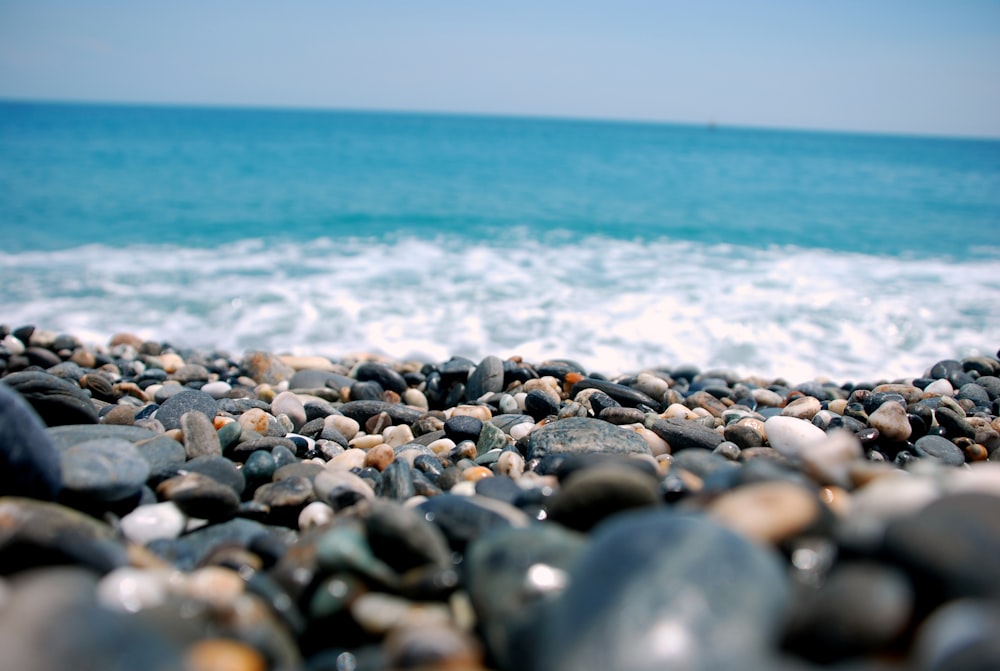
(622, 244)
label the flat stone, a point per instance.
(341, 489)
(805, 407)
(662, 590)
(940, 449)
(29, 460)
(164, 455)
(683, 434)
(576, 435)
(362, 411)
(57, 401)
(625, 395)
(190, 400)
(219, 469)
(463, 427)
(104, 469)
(286, 498)
(287, 403)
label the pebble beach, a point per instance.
(165, 508)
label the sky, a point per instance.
(899, 66)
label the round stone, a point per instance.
(791, 436)
(29, 461)
(189, 400)
(767, 511)
(891, 421)
(105, 469)
(939, 448)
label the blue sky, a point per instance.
(886, 66)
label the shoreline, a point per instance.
(185, 510)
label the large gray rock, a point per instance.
(57, 401)
(683, 434)
(657, 590)
(578, 435)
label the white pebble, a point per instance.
(791, 436)
(130, 590)
(940, 388)
(316, 514)
(153, 521)
(217, 389)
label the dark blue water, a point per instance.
(621, 245)
(71, 175)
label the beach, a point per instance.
(169, 508)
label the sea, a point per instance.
(622, 246)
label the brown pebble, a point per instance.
(976, 452)
(380, 456)
(217, 654)
(120, 414)
(476, 473)
(378, 423)
(766, 511)
(83, 358)
(129, 339)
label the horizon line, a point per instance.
(712, 124)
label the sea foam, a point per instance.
(614, 306)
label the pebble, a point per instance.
(577, 435)
(189, 400)
(495, 515)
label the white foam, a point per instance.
(615, 306)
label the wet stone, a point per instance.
(619, 392)
(582, 434)
(403, 538)
(539, 405)
(286, 499)
(200, 437)
(590, 495)
(397, 481)
(189, 400)
(164, 455)
(29, 460)
(465, 518)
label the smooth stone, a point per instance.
(655, 589)
(258, 468)
(991, 383)
(217, 389)
(37, 533)
(130, 590)
(791, 436)
(940, 449)
(959, 636)
(397, 481)
(703, 463)
(220, 469)
(164, 455)
(386, 377)
(237, 532)
(940, 387)
(315, 514)
(683, 434)
(200, 496)
(770, 512)
(486, 378)
(287, 403)
(577, 435)
(952, 546)
(223, 654)
(103, 469)
(200, 436)
(465, 518)
(29, 460)
(119, 414)
(153, 521)
(362, 411)
(621, 393)
(510, 573)
(346, 548)
(341, 489)
(286, 498)
(189, 400)
(463, 427)
(312, 378)
(57, 401)
(954, 424)
(265, 368)
(745, 434)
(591, 495)
(805, 407)
(539, 405)
(891, 421)
(861, 608)
(403, 538)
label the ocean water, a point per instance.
(620, 245)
